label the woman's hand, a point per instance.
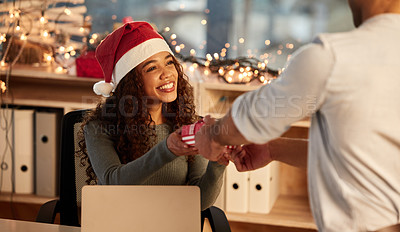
(179, 148)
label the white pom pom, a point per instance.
(103, 88)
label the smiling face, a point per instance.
(160, 77)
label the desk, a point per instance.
(7, 225)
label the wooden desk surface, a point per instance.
(7, 225)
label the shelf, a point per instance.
(43, 73)
(229, 87)
(39, 86)
(288, 211)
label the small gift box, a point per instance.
(189, 131)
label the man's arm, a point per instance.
(290, 151)
(286, 150)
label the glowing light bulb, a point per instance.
(18, 28)
(178, 49)
(195, 65)
(45, 34)
(209, 57)
(241, 40)
(216, 56)
(59, 69)
(227, 45)
(3, 87)
(267, 42)
(48, 58)
(203, 22)
(23, 37)
(42, 20)
(206, 72)
(95, 36)
(231, 72)
(173, 36)
(67, 56)
(91, 41)
(167, 29)
(192, 52)
(191, 69)
(73, 53)
(221, 71)
(61, 49)
(229, 79)
(67, 11)
(81, 29)
(2, 63)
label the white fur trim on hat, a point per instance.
(103, 88)
(137, 55)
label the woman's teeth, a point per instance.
(167, 86)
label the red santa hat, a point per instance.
(123, 50)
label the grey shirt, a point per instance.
(159, 166)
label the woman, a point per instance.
(128, 136)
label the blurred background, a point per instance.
(267, 29)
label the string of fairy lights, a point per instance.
(21, 21)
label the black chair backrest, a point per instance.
(72, 174)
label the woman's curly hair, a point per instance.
(132, 132)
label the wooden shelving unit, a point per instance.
(291, 210)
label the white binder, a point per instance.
(6, 137)
(46, 154)
(263, 188)
(237, 190)
(23, 151)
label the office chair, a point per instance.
(73, 176)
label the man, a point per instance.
(349, 84)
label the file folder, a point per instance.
(237, 190)
(6, 137)
(46, 154)
(263, 188)
(23, 151)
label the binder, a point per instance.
(23, 151)
(263, 188)
(46, 158)
(6, 137)
(237, 190)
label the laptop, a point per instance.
(123, 208)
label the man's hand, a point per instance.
(179, 148)
(205, 144)
(250, 157)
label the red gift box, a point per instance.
(87, 66)
(189, 131)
